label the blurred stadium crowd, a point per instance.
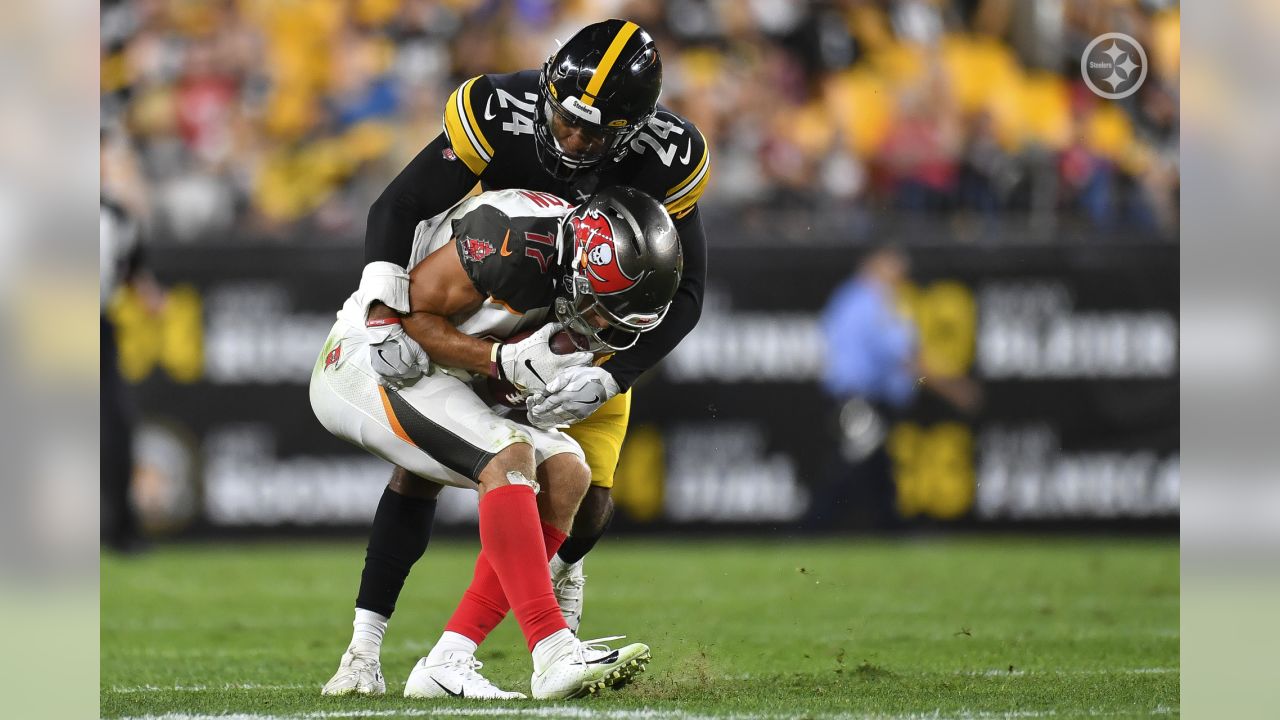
(286, 118)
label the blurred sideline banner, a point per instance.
(1076, 348)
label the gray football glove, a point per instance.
(396, 357)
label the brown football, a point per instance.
(503, 392)
(562, 343)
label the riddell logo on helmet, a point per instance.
(594, 235)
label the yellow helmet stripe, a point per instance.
(606, 63)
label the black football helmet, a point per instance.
(594, 95)
(622, 264)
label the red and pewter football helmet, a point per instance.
(622, 261)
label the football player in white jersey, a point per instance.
(484, 271)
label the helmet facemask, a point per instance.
(556, 123)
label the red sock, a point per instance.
(510, 540)
(484, 605)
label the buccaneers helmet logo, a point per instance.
(476, 250)
(594, 236)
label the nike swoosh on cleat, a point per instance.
(462, 692)
(611, 657)
(529, 364)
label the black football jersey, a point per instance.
(489, 123)
(506, 243)
(510, 257)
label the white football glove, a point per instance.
(530, 363)
(571, 396)
(394, 355)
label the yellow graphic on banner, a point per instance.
(933, 469)
(172, 339)
(947, 318)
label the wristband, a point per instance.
(495, 361)
(382, 322)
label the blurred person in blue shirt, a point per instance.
(871, 345)
(873, 375)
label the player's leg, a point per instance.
(396, 425)
(398, 539)
(451, 667)
(600, 437)
(562, 479)
(563, 666)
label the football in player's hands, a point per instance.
(504, 392)
(562, 343)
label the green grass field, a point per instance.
(974, 628)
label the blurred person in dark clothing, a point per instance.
(124, 200)
(120, 265)
(873, 375)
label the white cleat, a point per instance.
(585, 668)
(568, 583)
(454, 675)
(359, 673)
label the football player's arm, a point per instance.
(686, 308)
(441, 175)
(427, 186)
(438, 289)
(444, 285)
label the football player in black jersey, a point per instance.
(588, 119)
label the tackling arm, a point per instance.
(439, 288)
(686, 308)
(430, 184)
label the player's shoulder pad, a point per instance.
(681, 157)
(469, 134)
(523, 203)
(483, 111)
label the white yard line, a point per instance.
(1058, 673)
(580, 713)
(125, 689)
